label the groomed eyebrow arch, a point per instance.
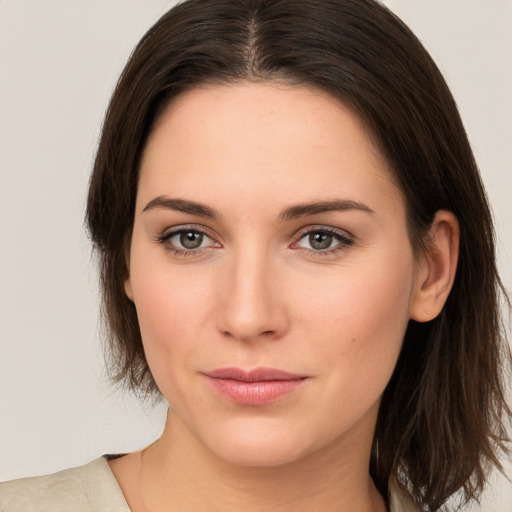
(182, 205)
(303, 210)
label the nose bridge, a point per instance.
(251, 305)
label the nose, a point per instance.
(252, 305)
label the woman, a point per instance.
(297, 253)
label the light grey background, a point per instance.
(59, 60)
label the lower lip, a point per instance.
(255, 393)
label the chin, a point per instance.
(259, 455)
(260, 445)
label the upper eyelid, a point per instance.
(187, 227)
(328, 229)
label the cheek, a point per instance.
(359, 299)
(172, 308)
(356, 326)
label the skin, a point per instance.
(259, 292)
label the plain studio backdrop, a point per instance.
(59, 61)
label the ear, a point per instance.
(127, 282)
(128, 288)
(436, 269)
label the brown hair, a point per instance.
(441, 422)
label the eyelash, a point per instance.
(344, 240)
(165, 238)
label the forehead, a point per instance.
(263, 139)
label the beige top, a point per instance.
(91, 488)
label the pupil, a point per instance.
(191, 240)
(320, 240)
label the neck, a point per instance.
(177, 472)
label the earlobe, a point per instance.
(436, 271)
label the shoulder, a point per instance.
(88, 488)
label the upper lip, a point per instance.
(253, 375)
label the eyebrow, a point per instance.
(293, 212)
(303, 210)
(182, 205)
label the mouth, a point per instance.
(254, 387)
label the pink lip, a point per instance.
(254, 387)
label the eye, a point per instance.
(324, 240)
(185, 240)
(188, 239)
(319, 241)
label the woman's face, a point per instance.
(269, 236)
